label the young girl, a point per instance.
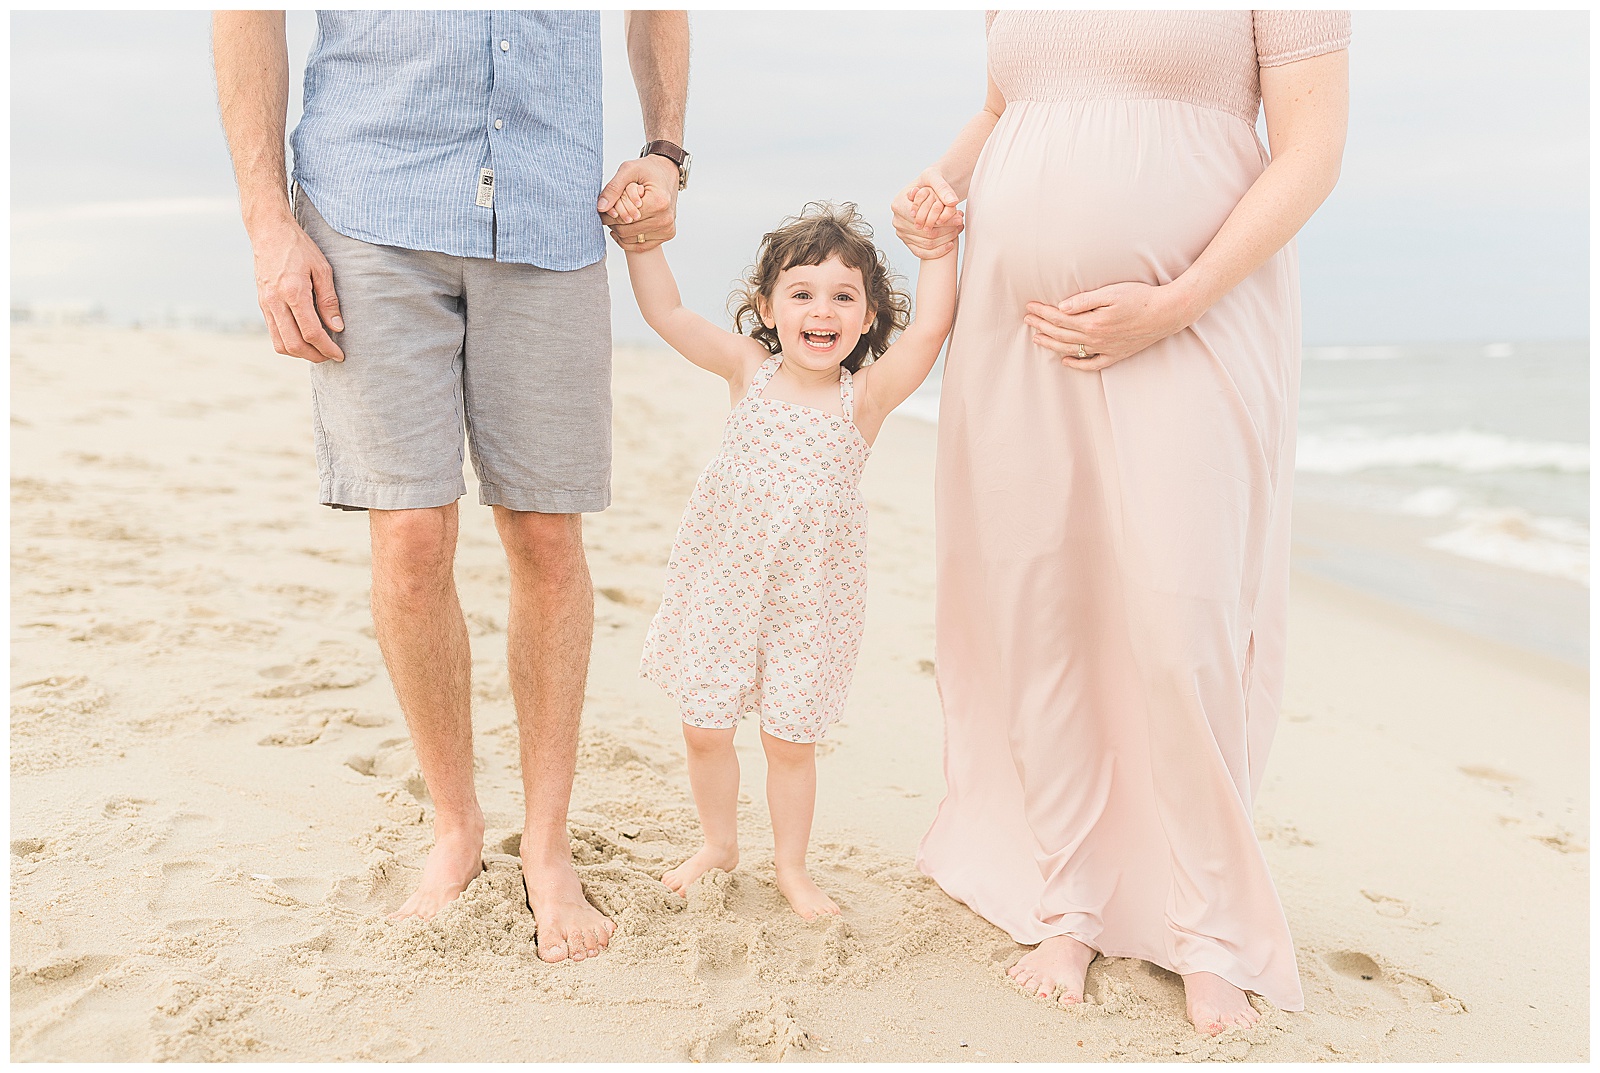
(766, 587)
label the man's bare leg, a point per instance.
(548, 636)
(423, 637)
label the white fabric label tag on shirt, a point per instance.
(486, 189)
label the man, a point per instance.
(448, 181)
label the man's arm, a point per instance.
(658, 55)
(294, 283)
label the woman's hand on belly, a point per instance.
(1098, 328)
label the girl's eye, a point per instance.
(801, 295)
(843, 298)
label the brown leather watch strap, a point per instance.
(662, 147)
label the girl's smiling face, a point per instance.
(819, 313)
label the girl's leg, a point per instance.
(714, 779)
(792, 798)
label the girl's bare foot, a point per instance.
(454, 861)
(1060, 961)
(805, 897)
(1215, 1004)
(704, 860)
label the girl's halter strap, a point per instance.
(847, 393)
(758, 383)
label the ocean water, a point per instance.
(1492, 440)
(1451, 478)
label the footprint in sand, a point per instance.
(31, 850)
(187, 833)
(1492, 776)
(304, 598)
(124, 806)
(332, 665)
(1562, 842)
(392, 759)
(639, 601)
(762, 1030)
(179, 887)
(1385, 905)
(718, 953)
(314, 726)
(1365, 980)
(481, 625)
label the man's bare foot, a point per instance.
(567, 925)
(707, 857)
(454, 861)
(1215, 1004)
(805, 897)
(1060, 961)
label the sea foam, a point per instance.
(1557, 547)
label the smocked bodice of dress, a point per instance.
(793, 447)
(1212, 59)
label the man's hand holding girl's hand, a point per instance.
(926, 217)
(641, 199)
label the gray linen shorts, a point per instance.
(514, 358)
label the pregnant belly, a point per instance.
(1070, 196)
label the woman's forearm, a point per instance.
(1271, 213)
(1307, 105)
(959, 160)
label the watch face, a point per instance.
(683, 171)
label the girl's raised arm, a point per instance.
(901, 369)
(728, 354)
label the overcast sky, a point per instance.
(1462, 213)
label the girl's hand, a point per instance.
(928, 225)
(931, 213)
(1109, 323)
(629, 206)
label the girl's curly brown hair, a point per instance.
(824, 230)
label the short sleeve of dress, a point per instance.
(1286, 36)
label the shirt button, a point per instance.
(499, 123)
(505, 46)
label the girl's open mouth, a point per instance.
(820, 340)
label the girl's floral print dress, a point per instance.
(766, 589)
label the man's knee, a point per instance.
(548, 543)
(416, 544)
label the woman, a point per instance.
(1116, 442)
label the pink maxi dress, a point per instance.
(1113, 547)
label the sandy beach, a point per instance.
(214, 802)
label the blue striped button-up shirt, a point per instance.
(405, 111)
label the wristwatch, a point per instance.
(674, 153)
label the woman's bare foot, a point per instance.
(567, 926)
(805, 897)
(1060, 961)
(454, 861)
(707, 857)
(1215, 1004)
